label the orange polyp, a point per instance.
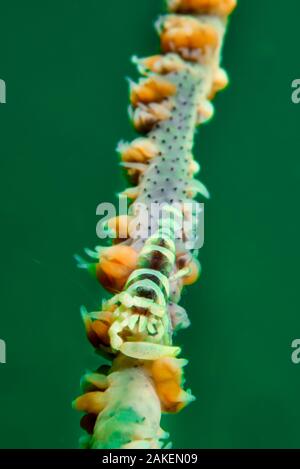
(193, 275)
(133, 155)
(170, 394)
(101, 329)
(219, 83)
(215, 7)
(166, 368)
(188, 33)
(140, 150)
(124, 255)
(91, 402)
(167, 376)
(146, 116)
(163, 64)
(151, 62)
(153, 90)
(115, 265)
(91, 334)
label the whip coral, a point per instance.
(152, 258)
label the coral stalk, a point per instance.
(154, 253)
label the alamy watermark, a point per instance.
(295, 356)
(296, 91)
(140, 221)
(2, 92)
(2, 351)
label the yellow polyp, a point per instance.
(214, 7)
(188, 33)
(91, 402)
(154, 89)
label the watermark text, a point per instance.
(2, 92)
(296, 91)
(141, 221)
(295, 357)
(2, 351)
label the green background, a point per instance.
(65, 63)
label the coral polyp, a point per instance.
(154, 252)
